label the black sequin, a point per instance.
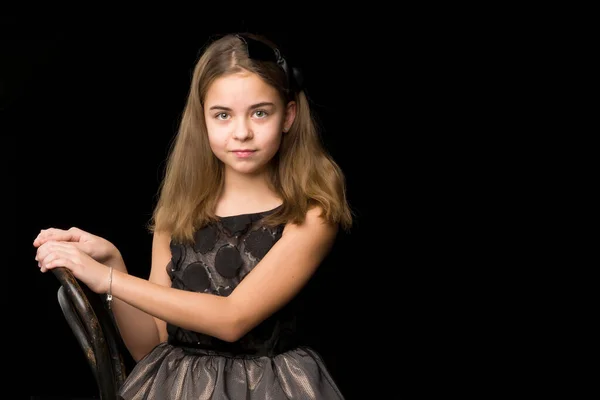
(206, 238)
(228, 261)
(259, 242)
(195, 277)
(235, 226)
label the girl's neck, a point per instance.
(244, 194)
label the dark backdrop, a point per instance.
(91, 114)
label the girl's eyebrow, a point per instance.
(257, 105)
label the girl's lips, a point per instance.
(243, 153)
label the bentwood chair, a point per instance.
(96, 332)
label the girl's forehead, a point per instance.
(243, 88)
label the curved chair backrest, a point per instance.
(95, 330)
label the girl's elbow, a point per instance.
(231, 322)
(232, 332)
(230, 337)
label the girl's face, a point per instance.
(245, 118)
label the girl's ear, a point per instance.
(290, 115)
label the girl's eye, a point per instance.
(261, 113)
(222, 116)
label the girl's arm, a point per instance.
(273, 282)
(141, 332)
(276, 279)
(82, 253)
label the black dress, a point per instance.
(269, 362)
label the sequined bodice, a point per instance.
(222, 255)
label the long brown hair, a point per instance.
(302, 173)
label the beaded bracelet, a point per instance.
(109, 293)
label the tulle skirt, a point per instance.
(172, 373)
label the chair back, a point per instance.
(96, 332)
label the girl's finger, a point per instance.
(49, 247)
(44, 233)
(53, 256)
(55, 234)
(66, 246)
(43, 251)
(58, 262)
(72, 235)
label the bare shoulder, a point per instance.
(314, 220)
(314, 227)
(161, 238)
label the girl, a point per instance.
(249, 207)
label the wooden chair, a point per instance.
(95, 330)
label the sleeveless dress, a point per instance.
(269, 362)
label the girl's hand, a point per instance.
(96, 247)
(53, 254)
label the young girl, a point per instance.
(249, 207)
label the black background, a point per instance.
(416, 106)
(93, 112)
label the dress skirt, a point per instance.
(171, 372)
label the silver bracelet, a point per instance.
(109, 293)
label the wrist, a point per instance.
(109, 296)
(115, 260)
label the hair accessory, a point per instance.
(261, 51)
